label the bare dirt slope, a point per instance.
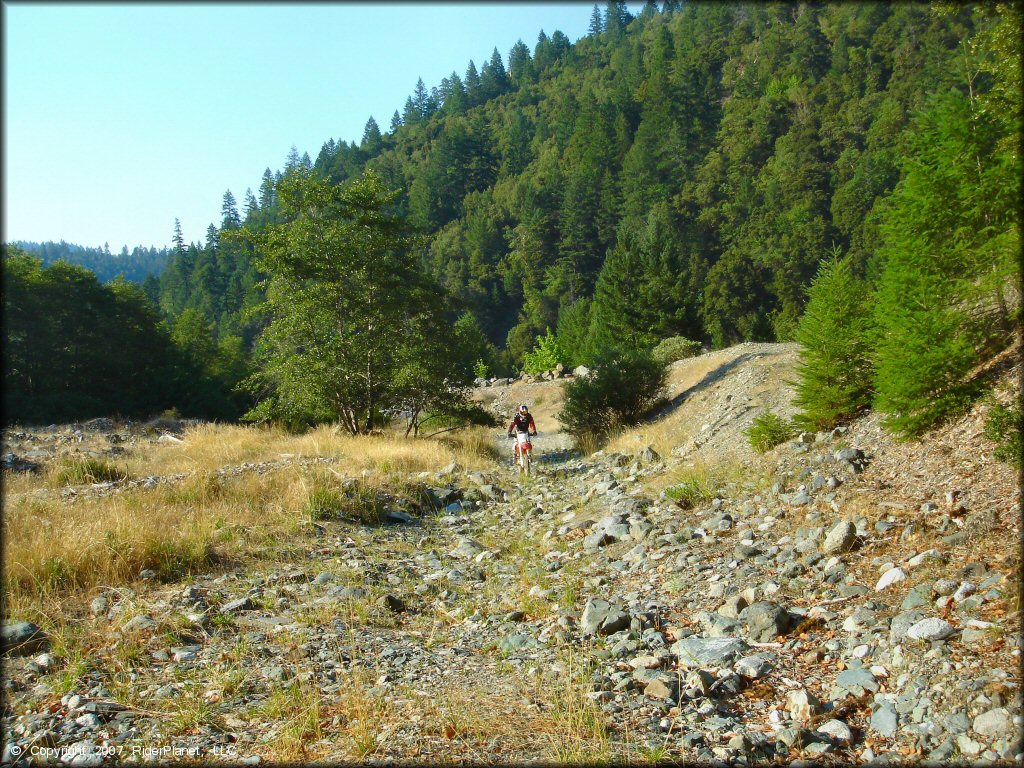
(712, 399)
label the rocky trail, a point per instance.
(815, 603)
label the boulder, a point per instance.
(603, 618)
(22, 637)
(840, 539)
(698, 652)
(764, 621)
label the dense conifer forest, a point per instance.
(685, 172)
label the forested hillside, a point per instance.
(136, 266)
(682, 173)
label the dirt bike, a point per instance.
(522, 452)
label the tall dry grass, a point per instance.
(56, 545)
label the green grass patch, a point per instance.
(88, 469)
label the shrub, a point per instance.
(480, 369)
(624, 386)
(676, 348)
(835, 351)
(768, 430)
(689, 493)
(1004, 425)
(545, 355)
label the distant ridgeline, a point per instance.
(135, 266)
(683, 173)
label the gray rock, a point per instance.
(466, 549)
(930, 629)
(856, 681)
(840, 539)
(755, 666)
(22, 637)
(765, 621)
(699, 652)
(140, 623)
(884, 719)
(836, 730)
(236, 606)
(603, 618)
(901, 623)
(994, 723)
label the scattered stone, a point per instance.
(20, 638)
(994, 723)
(603, 618)
(931, 629)
(840, 538)
(702, 652)
(802, 705)
(890, 577)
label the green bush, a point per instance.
(624, 386)
(835, 350)
(676, 348)
(1004, 425)
(689, 493)
(545, 355)
(480, 369)
(768, 430)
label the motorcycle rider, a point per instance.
(523, 422)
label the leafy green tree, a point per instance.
(348, 304)
(835, 347)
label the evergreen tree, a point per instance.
(251, 206)
(596, 22)
(835, 347)
(493, 78)
(371, 142)
(229, 212)
(951, 237)
(473, 93)
(266, 190)
(396, 121)
(178, 239)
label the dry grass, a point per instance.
(56, 544)
(207, 447)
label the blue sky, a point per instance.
(119, 118)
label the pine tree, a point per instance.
(472, 80)
(493, 78)
(835, 347)
(178, 239)
(596, 22)
(950, 243)
(251, 206)
(229, 212)
(396, 121)
(371, 142)
(267, 190)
